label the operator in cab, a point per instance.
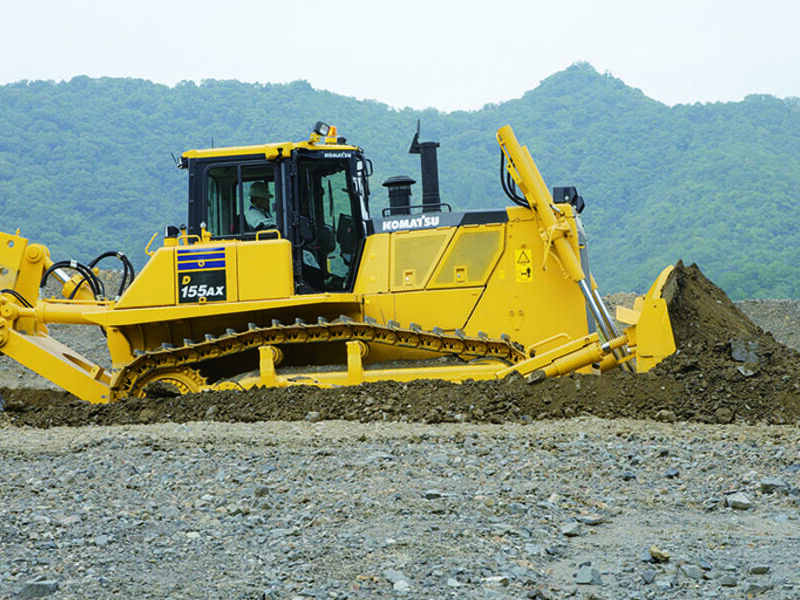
(258, 216)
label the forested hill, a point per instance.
(86, 166)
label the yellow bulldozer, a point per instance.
(284, 276)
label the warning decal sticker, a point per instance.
(522, 265)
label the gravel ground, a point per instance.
(584, 508)
(538, 507)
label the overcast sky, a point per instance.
(417, 53)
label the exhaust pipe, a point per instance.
(429, 165)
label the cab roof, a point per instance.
(274, 150)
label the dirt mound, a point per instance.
(702, 314)
(726, 369)
(725, 364)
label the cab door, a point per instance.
(328, 227)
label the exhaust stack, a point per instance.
(429, 166)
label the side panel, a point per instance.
(447, 309)
(414, 256)
(500, 278)
(154, 285)
(429, 277)
(529, 295)
(373, 271)
(452, 265)
(470, 258)
(265, 270)
(211, 273)
(372, 280)
(429, 259)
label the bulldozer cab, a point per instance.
(313, 196)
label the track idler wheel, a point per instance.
(168, 381)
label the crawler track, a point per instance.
(171, 363)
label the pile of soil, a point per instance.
(726, 370)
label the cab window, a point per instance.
(240, 198)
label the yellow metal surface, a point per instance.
(380, 307)
(327, 304)
(650, 332)
(355, 373)
(36, 259)
(657, 288)
(205, 273)
(66, 311)
(355, 368)
(456, 373)
(545, 359)
(437, 276)
(544, 305)
(267, 355)
(269, 151)
(173, 277)
(373, 271)
(264, 270)
(154, 285)
(629, 316)
(78, 288)
(523, 265)
(446, 309)
(59, 364)
(12, 251)
(34, 264)
(147, 329)
(652, 335)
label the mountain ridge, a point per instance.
(85, 165)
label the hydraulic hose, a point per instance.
(507, 183)
(20, 298)
(88, 275)
(128, 272)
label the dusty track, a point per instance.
(726, 370)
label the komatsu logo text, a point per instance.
(411, 223)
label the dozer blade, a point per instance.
(649, 333)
